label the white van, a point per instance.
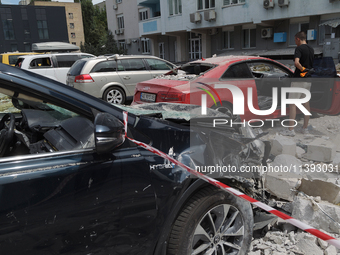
(54, 66)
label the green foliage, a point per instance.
(98, 40)
(106, 45)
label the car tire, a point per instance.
(193, 232)
(114, 95)
(226, 107)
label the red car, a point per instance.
(256, 75)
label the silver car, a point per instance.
(114, 78)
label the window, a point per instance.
(121, 44)
(155, 64)
(72, 25)
(205, 4)
(42, 29)
(27, 32)
(195, 46)
(120, 21)
(294, 28)
(239, 71)
(161, 50)
(73, 35)
(66, 60)
(228, 40)
(7, 23)
(24, 14)
(175, 7)
(326, 31)
(42, 23)
(105, 66)
(74, 43)
(70, 15)
(145, 45)
(41, 63)
(143, 14)
(249, 38)
(118, 1)
(230, 2)
(134, 64)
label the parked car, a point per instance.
(10, 58)
(188, 84)
(70, 183)
(54, 65)
(114, 78)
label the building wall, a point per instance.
(26, 29)
(73, 16)
(129, 9)
(236, 17)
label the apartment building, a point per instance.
(74, 19)
(180, 30)
(22, 25)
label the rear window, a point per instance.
(66, 60)
(12, 59)
(105, 66)
(77, 67)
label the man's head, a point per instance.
(300, 38)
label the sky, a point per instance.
(69, 1)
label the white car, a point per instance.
(54, 66)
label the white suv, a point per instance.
(54, 66)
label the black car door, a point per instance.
(71, 203)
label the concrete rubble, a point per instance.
(306, 187)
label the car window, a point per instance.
(240, 71)
(66, 60)
(261, 69)
(86, 56)
(41, 62)
(156, 64)
(12, 59)
(43, 127)
(77, 67)
(134, 64)
(105, 66)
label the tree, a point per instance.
(97, 36)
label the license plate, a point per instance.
(148, 97)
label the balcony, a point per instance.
(150, 26)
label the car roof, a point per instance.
(227, 59)
(53, 54)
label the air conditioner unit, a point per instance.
(121, 31)
(195, 17)
(266, 33)
(115, 7)
(268, 4)
(283, 3)
(117, 32)
(209, 15)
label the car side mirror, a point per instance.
(109, 132)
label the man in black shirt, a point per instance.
(303, 60)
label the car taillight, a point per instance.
(170, 96)
(83, 78)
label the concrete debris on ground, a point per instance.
(306, 187)
(279, 241)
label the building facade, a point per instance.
(22, 25)
(192, 29)
(74, 20)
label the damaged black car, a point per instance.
(72, 183)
